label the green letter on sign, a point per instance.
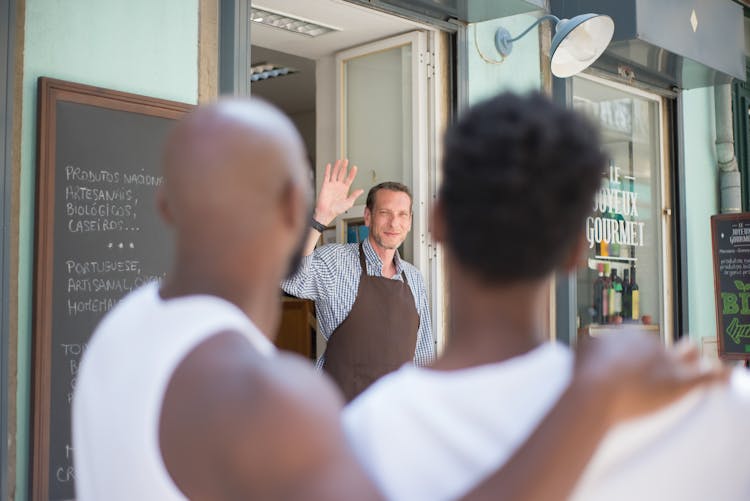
(729, 302)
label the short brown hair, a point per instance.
(387, 185)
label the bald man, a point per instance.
(182, 395)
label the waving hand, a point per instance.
(334, 197)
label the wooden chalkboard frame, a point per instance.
(50, 92)
(744, 217)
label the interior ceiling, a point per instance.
(356, 24)
(293, 93)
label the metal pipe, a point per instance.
(729, 174)
(547, 17)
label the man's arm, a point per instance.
(615, 379)
(305, 282)
(237, 425)
(333, 200)
(425, 351)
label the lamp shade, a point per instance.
(578, 42)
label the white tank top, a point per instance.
(121, 383)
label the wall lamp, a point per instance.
(577, 43)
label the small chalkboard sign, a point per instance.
(730, 234)
(98, 236)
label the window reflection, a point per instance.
(622, 279)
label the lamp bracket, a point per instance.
(504, 42)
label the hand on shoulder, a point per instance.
(635, 374)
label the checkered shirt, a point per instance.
(330, 277)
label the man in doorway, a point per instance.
(519, 178)
(181, 395)
(371, 305)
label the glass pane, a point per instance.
(377, 121)
(623, 231)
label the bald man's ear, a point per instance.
(163, 206)
(295, 205)
(436, 224)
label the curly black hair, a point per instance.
(519, 178)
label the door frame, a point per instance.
(429, 119)
(419, 123)
(437, 67)
(234, 47)
(566, 285)
(8, 16)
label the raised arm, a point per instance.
(334, 198)
(615, 379)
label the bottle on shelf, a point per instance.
(598, 316)
(616, 309)
(617, 249)
(608, 296)
(635, 298)
(603, 248)
(627, 296)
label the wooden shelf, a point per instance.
(621, 259)
(595, 330)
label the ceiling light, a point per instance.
(288, 23)
(264, 71)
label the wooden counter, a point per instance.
(298, 330)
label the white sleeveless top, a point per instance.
(121, 383)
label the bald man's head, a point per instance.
(236, 177)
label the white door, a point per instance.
(381, 120)
(385, 124)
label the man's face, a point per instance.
(390, 218)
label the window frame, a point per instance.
(8, 14)
(673, 264)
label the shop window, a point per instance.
(741, 118)
(622, 279)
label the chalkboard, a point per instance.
(730, 234)
(98, 236)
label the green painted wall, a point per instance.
(519, 72)
(701, 201)
(147, 47)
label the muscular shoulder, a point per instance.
(246, 423)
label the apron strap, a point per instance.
(364, 266)
(362, 258)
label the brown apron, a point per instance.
(378, 336)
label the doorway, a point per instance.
(360, 84)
